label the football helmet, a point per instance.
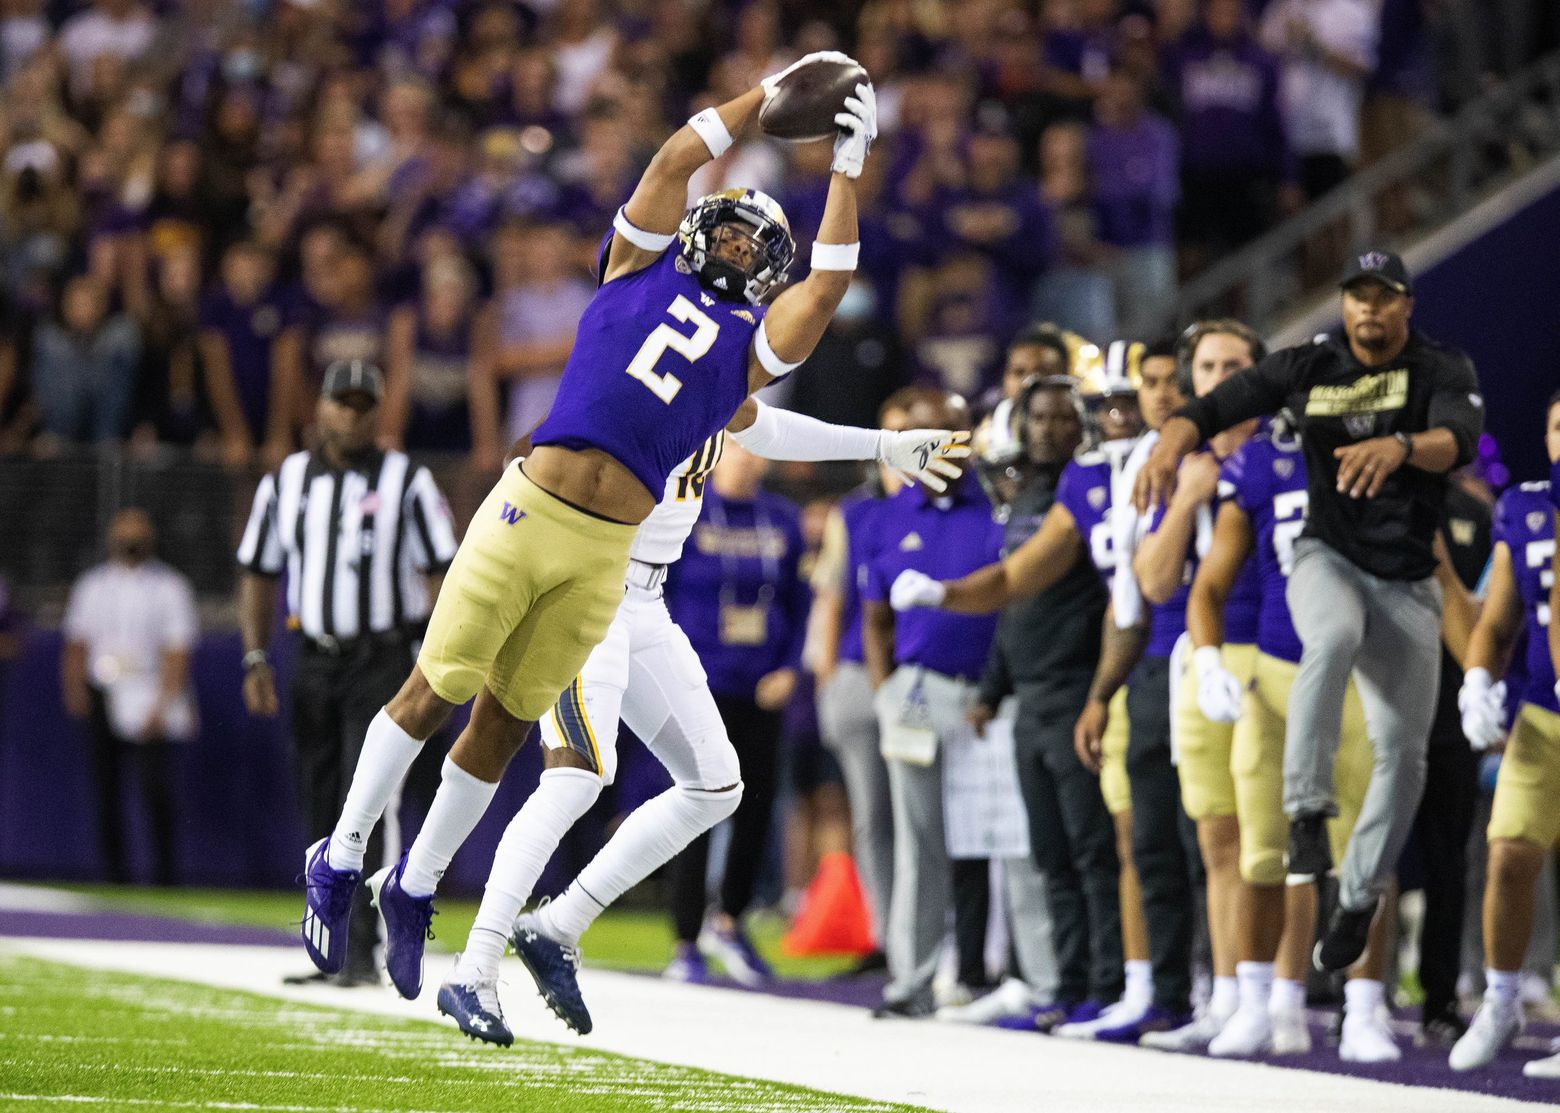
(742, 212)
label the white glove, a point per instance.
(858, 128)
(772, 82)
(922, 455)
(915, 589)
(1218, 690)
(1483, 707)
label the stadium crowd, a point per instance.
(205, 205)
(202, 204)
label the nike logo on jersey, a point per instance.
(511, 513)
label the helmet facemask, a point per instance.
(738, 244)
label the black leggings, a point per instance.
(152, 763)
(756, 735)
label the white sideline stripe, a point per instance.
(825, 1047)
(40, 898)
(166, 1103)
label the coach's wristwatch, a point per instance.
(1407, 441)
(254, 659)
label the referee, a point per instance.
(1385, 413)
(364, 538)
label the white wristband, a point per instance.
(835, 256)
(711, 129)
(1479, 678)
(649, 241)
(1206, 658)
(767, 359)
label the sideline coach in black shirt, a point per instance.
(1385, 414)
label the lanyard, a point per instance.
(729, 571)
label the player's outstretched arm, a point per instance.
(1216, 575)
(797, 319)
(920, 455)
(1030, 569)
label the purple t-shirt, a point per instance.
(659, 366)
(946, 538)
(1525, 521)
(249, 331)
(1085, 490)
(1167, 620)
(1228, 97)
(860, 513)
(1268, 481)
(1137, 181)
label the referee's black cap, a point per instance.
(353, 376)
(1379, 266)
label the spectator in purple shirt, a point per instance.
(239, 320)
(1234, 156)
(1134, 161)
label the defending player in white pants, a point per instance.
(647, 675)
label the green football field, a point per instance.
(78, 1039)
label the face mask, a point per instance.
(133, 552)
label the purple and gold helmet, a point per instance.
(752, 214)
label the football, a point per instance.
(807, 99)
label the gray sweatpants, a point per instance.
(1388, 632)
(850, 730)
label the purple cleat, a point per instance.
(687, 965)
(408, 925)
(327, 908)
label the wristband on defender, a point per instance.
(767, 359)
(649, 241)
(835, 256)
(712, 129)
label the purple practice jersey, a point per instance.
(659, 366)
(1267, 480)
(1167, 621)
(1525, 523)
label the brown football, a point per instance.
(808, 98)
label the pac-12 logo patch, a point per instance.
(912, 543)
(511, 513)
(1283, 468)
(1535, 521)
(1096, 497)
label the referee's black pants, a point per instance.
(1164, 840)
(334, 698)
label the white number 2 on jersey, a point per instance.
(691, 348)
(1288, 520)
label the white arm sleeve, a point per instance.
(768, 359)
(778, 434)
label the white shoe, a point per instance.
(1249, 1031)
(1189, 1037)
(1543, 1068)
(1367, 1039)
(1012, 998)
(1122, 1012)
(1494, 1026)
(1291, 1034)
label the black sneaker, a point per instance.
(1345, 940)
(916, 1007)
(1310, 856)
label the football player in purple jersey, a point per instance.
(1524, 822)
(669, 348)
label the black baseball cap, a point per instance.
(1383, 267)
(353, 376)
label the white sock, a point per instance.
(1226, 995)
(457, 807)
(652, 835)
(1362, 997)
(1288, 995)
(388, 752)
(1139, 981)
(562, 796)
(1256, 984)
(1502, 986)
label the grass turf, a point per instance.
(623, 939)
(74, 1038)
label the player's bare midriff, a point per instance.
(591, 480)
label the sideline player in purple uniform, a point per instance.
(669, 348)
(1262, 513)
(1524, 822)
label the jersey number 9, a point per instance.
(690, 347)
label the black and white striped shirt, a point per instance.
(354, 543)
